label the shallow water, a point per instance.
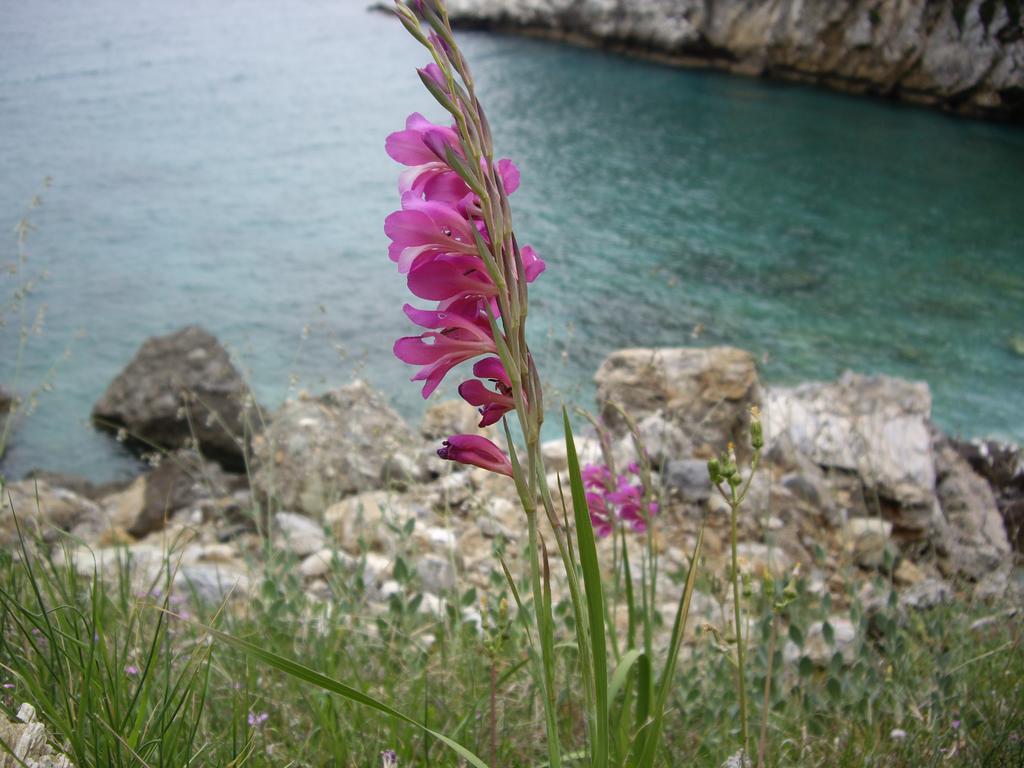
(222, 164)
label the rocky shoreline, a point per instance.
(856, 482)
(962, 56)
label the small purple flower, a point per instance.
(8, 686)
(257, 720)
(611, 499)
(956, 724)
(131, 670)
(388, 759)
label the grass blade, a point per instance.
(652, 734)
(312, 677)
(595, 598)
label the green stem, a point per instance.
(740, 670)
(546, 667)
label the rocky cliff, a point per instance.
(964, 56)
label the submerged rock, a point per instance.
(179, 389)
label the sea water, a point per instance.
(222, 163)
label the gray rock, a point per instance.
(28, 742)
(706, 393)
(876, 427)
(867, 540)
(317, 450)
(925, 594)
(689, 478)
(179, 388)
(212, 582)
(44, 510)
(298, 533)
(817, 646)
(437, 573)
(181, 480)
(974, 539)
(966, 57)
(1002, 465)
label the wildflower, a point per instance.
(438, 351)
(475, 450)
(492, 404)
(131, 670)
(453, 242)
(613, 499)
(388, 759)
(257, 720)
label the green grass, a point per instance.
(121, 681)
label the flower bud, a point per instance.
(714, 471)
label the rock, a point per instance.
(974, 539)
(756, 558)
(28, 742)
(323, 562)
(448, 417)
(212, 582)
(819, 649)
(121, 510)
(907, 574)
(298, 533)
(925, 594)
(689, 479)
(662, 439)
(362, 521)
(43, 510)
(588, 451)
(178, 389)
(317, 450)
(80, 485)
(738, 760)
(866, 539)
(1002, 465)
(875, 426)
(437, 574)
(8, 411)
(706, 393)
(963, 57)
(181, 480)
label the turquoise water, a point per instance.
(222, 163)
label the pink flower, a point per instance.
(460, 339)
(476, 450)
(600, 516)
(426, 227)
(131, 670)
(448, 276)
(421, 141)
(492, 404)
(613, 499)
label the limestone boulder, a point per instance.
(974, 539)
(876, 427)
(705, 394)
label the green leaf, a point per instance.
(629, 658)
(828, 633)
(796, 635)
(312, 677)
(595, 598)
(652, 735)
